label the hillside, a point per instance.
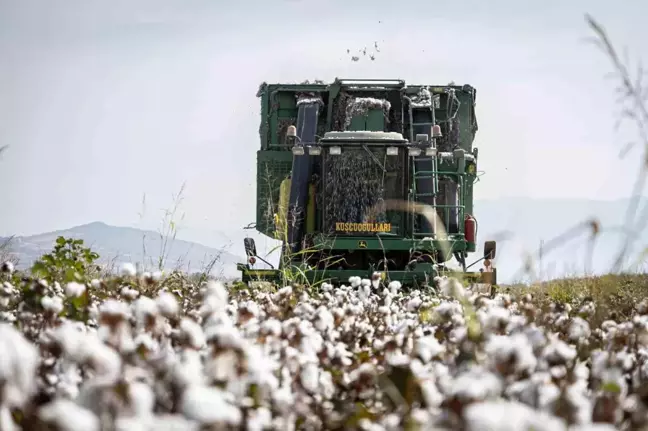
(126, 244)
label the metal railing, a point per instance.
(446, 209)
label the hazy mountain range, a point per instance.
(518, 224)
(126, 244)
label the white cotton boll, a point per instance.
(259, 419)
(284, 399)
(216, 298)
(579, 329)
(92, 395)
(398, 359)
(272, 327)
(227, 335)
(7, 316)
(364, 292)
(327, 287)
(311, 345)
(509, 416)
(392, 422)
(304, 297)
(222, 367)
(192, 332)
(557, 351)
(93, 312)
(146, 341)
(209, 405)
(324, 319)
(261, 368)
(394, 287)
(497, 318)
(310, 377)
(163, 422)
(365, 369)
(8, 289)
(18, 363)
(413, 304)
(6, 420)
(627, 361)
(167, 304)
(114, 308)
(326, 385)
(428, 347)
(74, 289)
(104, 359)
(53, 304)
(253, 308)
(128, 270)
(375, 283)
(129, 293)
(142, 398)
(515, 350)
(476, 384)
(431, 393)
(69, 381)
(130, 423)
(284, 291)
(67, 415)
(88, 349)
(145, 307)
(593, 427)
(558, 372)
(188, 369)
(516, 323)
(69, 336)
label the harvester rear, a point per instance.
(368, 178)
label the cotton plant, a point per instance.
(137, 352)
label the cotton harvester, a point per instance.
(368, 178)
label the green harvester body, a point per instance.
(343, 171)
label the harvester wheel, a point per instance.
(490, 247)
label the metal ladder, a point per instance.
(427, 171)
(429, 198)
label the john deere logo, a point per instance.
(362, 244)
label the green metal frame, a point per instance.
(274, 163)
(454, 243)
(418, 277)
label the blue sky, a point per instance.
(103, 102)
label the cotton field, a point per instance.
(128, 353)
